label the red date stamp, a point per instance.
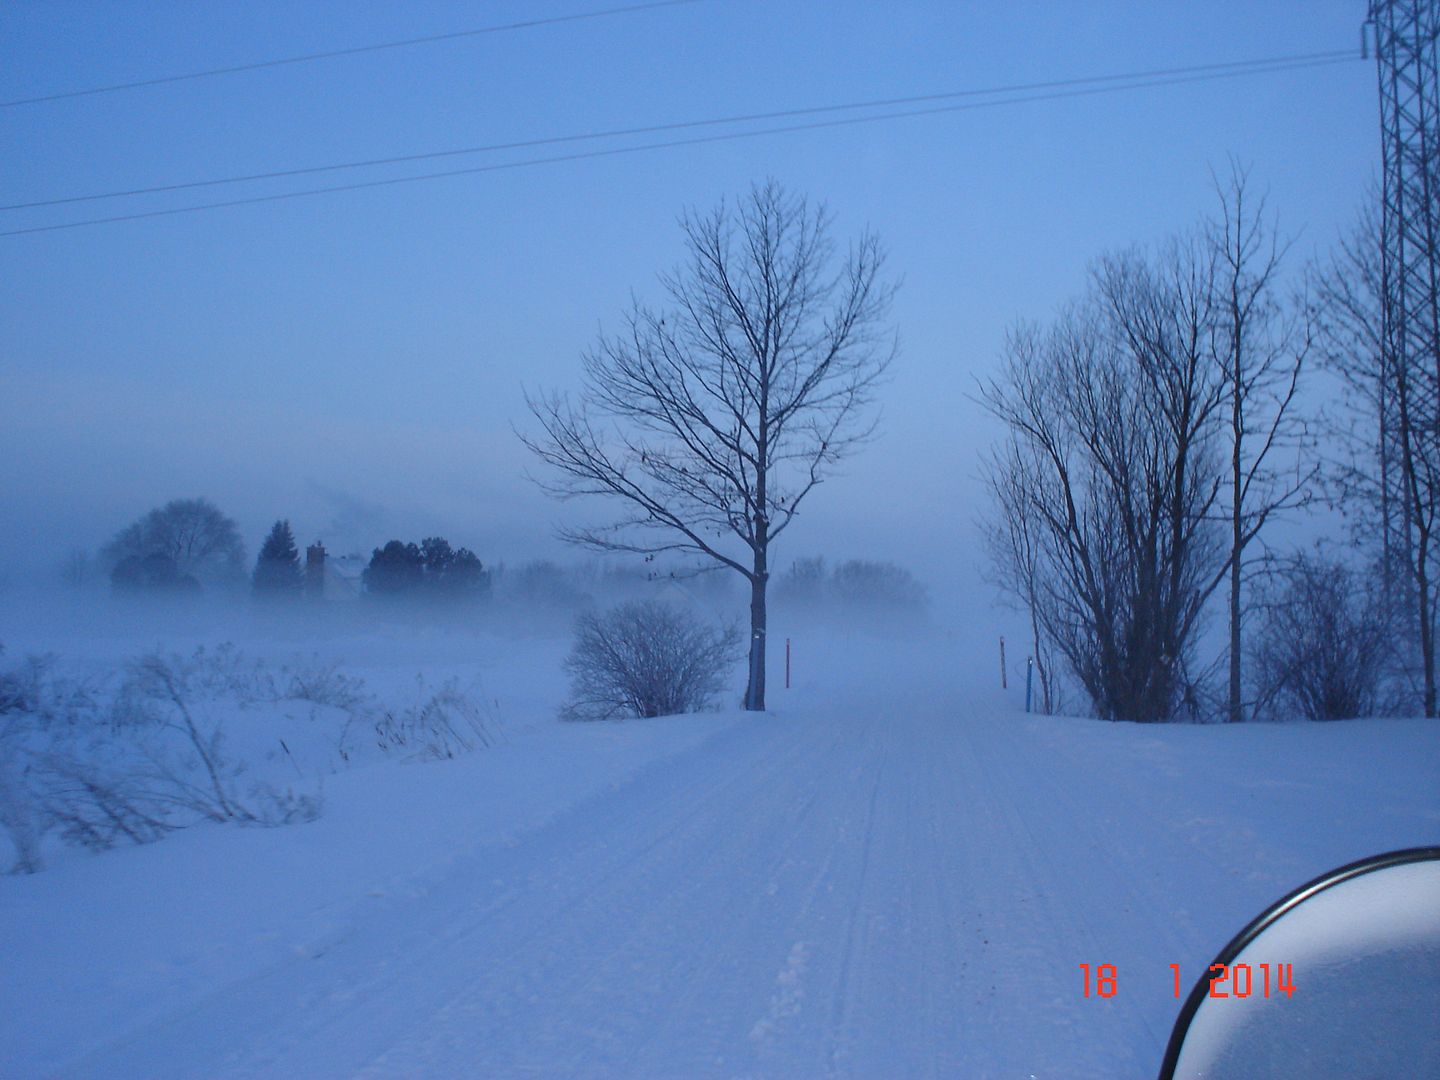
(1226, 980)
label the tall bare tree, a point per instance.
(712, 420)
(192, 535)
(1112, 459)
(1388, 420)
(1363, 471)
(1261, 345)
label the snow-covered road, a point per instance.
(850, 887)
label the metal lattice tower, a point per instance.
(1404, 33)
(1405, 41)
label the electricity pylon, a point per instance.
(1404, 35)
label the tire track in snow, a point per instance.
(857, 937)
(1023, 904)
(1078, 885)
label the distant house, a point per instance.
(333, 578)
(343, 576)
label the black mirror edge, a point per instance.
(1262, 922)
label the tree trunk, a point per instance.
(1234, 712)
(1040, 667)
(760, 546)
(755, 691)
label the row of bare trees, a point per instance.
(1154, 430)
(1154, 433)
(1151, 436)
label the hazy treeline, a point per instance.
(190, 548)
(852, 589)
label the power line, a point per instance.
(1231, 67)
(357, 50)
(725, 137)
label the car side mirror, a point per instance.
(1339, 979)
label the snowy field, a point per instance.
(894, 873)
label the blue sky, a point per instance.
(355, 362)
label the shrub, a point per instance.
(323, 683)
(20, 821)
(646, 658)
(15, 694)
(443, 724)
(1322, 640)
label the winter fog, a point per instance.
(357, 363)
(709, 538)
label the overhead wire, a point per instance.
(1278, 65)
(429, 39)
(1234, 67)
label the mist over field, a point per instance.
(356, 362)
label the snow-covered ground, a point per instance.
(894, 873)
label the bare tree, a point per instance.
(1261, 347)
(1345, 302)
(1112, 417)
(190, 536)
(1386, 424)
(713, 419)
(646, 659)
(1325, 634)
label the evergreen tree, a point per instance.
(439, 556)
(430, 569)
(452, 572)
(277, 570)
(395, 569)
(466, 575)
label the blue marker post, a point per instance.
(1029, 678)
